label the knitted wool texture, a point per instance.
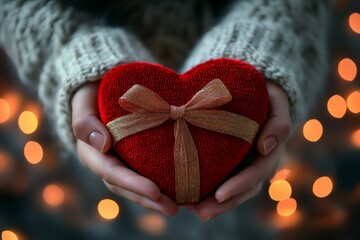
(57, 48)
(151, 152)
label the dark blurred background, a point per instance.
(46, 194)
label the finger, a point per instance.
(256, 172)
(210, 208)
(164, 204)
(86, 125)
(277, 127)
(114, 172)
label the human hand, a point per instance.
(271, 145)
(93, 144)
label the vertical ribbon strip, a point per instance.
(149, 110)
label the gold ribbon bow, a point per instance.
(149, 110)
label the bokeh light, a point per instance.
(53, 195)
(4, 162)
(353, 102)
(280, 190)
(322, 187)
(286, 207)
(28, 122)
(152, 224)
(9, 235)
(14, 101)
(313, 130)
(336, 106)
(280, 175)
(33, 152)
(4, 110)
(347, 69)
(355, 138)
(108, 209)
(354, 22)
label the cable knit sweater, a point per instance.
(59, 45)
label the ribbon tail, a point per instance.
(130, 124)
(187, 169)
(224, 122)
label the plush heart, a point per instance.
(151, 152)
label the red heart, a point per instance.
(151, 152)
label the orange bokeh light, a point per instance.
(322, 187)
(286, 207)
(336, 106)
(280, 190)
(8, 235)
(14, 101)
(4, 162)
(280, 175)
(353, 102)
(33, 152)
(354, 22)
(152, 224)
(347, 69)
(53, 195)
(313, 130)
(108, 209)
(355, 138)
(28, 122)
(4, 110)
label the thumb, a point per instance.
(85, 122)
(277, 128)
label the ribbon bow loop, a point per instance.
(139, 99)
(213, 94)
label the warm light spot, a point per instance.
(4, 110)
(152, 224)
(4, 162)
(355, 138)
(353, 102)
(108, 209)
(336, 106)
(53, 195)
(286, 207)
(347, 69)
(28, 122)
(33, 152)
(280, 190)
(312, 130)
(280, 175)
(8, 235)
(322, 187)
(14, 101)
(354, 22)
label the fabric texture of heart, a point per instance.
(151, 152)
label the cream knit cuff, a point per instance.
(87, 57)
(261, 45)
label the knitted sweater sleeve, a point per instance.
(56, 49)
(283, 39)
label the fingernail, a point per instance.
(269, 144)
(219, 196)
(96, 140)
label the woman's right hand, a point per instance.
(93, 144)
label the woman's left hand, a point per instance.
(248, 182)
